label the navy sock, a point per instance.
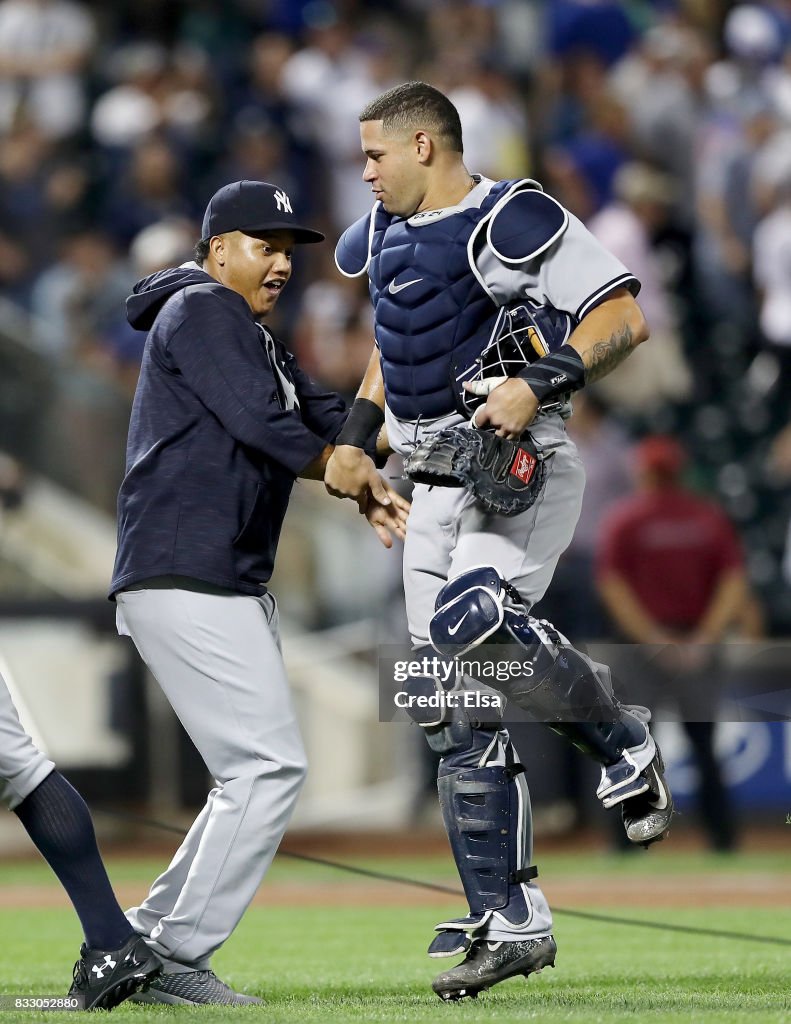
(58, 821)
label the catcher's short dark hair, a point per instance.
(414, 105)
(201, 251)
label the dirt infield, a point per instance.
(734, 889)
(737, 890)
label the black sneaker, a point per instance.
(489, 963)
(647, 817)
(104, 978)
(193, 988)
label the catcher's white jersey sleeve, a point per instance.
(574, 274)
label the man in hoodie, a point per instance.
(223, 421)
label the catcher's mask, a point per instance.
(520, 335)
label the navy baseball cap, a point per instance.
(253, 206)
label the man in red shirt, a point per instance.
(670, 570)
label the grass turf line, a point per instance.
(364, 964)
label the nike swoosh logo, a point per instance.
(453, 630)
(661, 802)
(394, 288)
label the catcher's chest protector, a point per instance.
(432, 315)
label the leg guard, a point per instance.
(486, 810)
(565, 689)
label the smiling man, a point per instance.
(222, 424)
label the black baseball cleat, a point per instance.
(193, 988)
(489, 963)
(104, 978)
(647, 817)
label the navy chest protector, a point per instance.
(433, 314)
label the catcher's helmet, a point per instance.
(521, 334)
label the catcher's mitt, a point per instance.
(505, 476)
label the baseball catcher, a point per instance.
(491, 301)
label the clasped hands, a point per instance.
(510, 408)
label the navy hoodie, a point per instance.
(214, 446)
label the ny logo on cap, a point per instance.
(283, 202)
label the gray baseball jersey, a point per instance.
(448, 533)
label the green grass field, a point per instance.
(362, 963)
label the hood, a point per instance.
(150, 294)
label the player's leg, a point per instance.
(483, 793)
(565, 689)
(486, 811)
(216, 655)
(113, 962)
(715, 804)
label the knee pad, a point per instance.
(469, 610)
(564, 688)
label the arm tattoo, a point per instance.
(606, 355)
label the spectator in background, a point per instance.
(78, 298)
(662, 84)
(736, 88)
(264, 93)
(45, 46)
(329, 79)
(155, 90)
(772, 269)
(13, 484)
(256, 150)
(168, 243)
(24, 222)
(584, 169)
(332, 336)
(152, 188)
(130, 110)
(657, 374)
(670, 572)
(493, 120)
(190, 106)
(455, 24)
(753, 40)
(77, 303)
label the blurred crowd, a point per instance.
(665, 126)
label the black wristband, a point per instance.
(555, 374)
(362, 424)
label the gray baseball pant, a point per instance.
(23, 767)
(216, 655)
(448, 533)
